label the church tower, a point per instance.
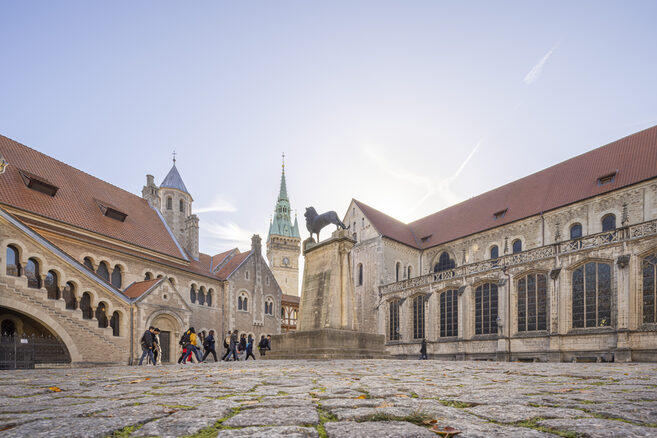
(283, 243)
(175, 203)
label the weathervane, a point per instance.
(174, 157)
(283, 160)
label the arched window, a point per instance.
(103, 272)
(117, 277)
(410, 271)
(532, 303)
(360, 275)
(649, 295)
(576, 231)
(101, 315)
(486, 309)
(169, 203)
(88, 263)
(449, 313)
(192, 294)
(418, 317)
(608, 223)
(201, 296)
(148, 276)
(13, 263)
(444, 263)
(393, 320)
(208, 298)
(243, 302)
(32, 273)
(69, 296)
(494, 252)
(52, 286)
(517, 246)
(8, 327)
(115, 323)
(85, 306)
(269, 307)
(592, 295)
(181, 206)
(397, 271)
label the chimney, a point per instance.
(151, 192)
(256, 244)
(191, 236)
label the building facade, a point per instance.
(557, 266)
(92, 266)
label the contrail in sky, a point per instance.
(535, 72)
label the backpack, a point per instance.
(184, 339)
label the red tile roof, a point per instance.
(74, 202)
(232, 264)
(135, 290)
(633, 158)
(222, 257)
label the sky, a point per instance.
(408, 106)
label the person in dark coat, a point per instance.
(423, 350)
(249, 348)
(208, 344)
(226, 346)
(233, 345)
(262, 346)
(147, 345)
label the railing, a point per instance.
(596, 240)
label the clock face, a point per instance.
(286, 261)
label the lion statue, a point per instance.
(315, 222)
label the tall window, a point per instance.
(393, 322)
(649, 301)
(444, 263)
(13, 264)
(115, 323)
(517, 246)
(397, 271)
(576, 231)
(208, 298)
(101, 315)
(592, 295)
(486, 309)
(418, 317)
(608, 223)
(201, 296)
(169, 203)
(32, 273)
(360, 275)
(51, 285)
(103, 272)
(494, 252)
(192, 294)
(85, 306)
(117, 277)
(69, 296)
(269, 307)
(181, 206)
(410, 271)
(243, 302)
(532, 303)
(88, 263)
(449, 313)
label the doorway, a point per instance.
(165, 344)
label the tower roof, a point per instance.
(281, 224)
(173, 180)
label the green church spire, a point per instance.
(281, 225)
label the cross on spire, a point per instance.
(174, 157)
(283, 160)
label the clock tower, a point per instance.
(283, 243)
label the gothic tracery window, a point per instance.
(486, 309)
(532, 303)
(393, 320)
(449, 313)
(608, 223)
(517, 246)
(649, 290)
(591, 295)
(418, 317)
(269, 307)
(444, 263)
(243, 302)
(576, 231)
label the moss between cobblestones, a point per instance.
(417, 418)
(533, 424)
(324, 417)
(126, 431)
(212, 431)
(456, 404)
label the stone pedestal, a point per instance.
(327, 326)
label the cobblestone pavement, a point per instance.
(333, 398)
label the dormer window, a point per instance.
(425, 238)
(111, 212)
(607, 179)
(500, 214)
(37, 183)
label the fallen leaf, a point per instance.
(432, 421)
(445, 431)
(360, 397)
(55, 389)
(386, 405)
(136, 381)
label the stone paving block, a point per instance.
(379, 429)
(270, 432)
(644, 413)
(184, 422)
(81, 427)
(599, 428)
(274, 417)
(336, 403)
(514, 413)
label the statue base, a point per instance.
(327, 343)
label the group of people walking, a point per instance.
(241, 347)
(237, 347)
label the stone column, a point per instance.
(623, 269)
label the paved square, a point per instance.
(333, 398)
